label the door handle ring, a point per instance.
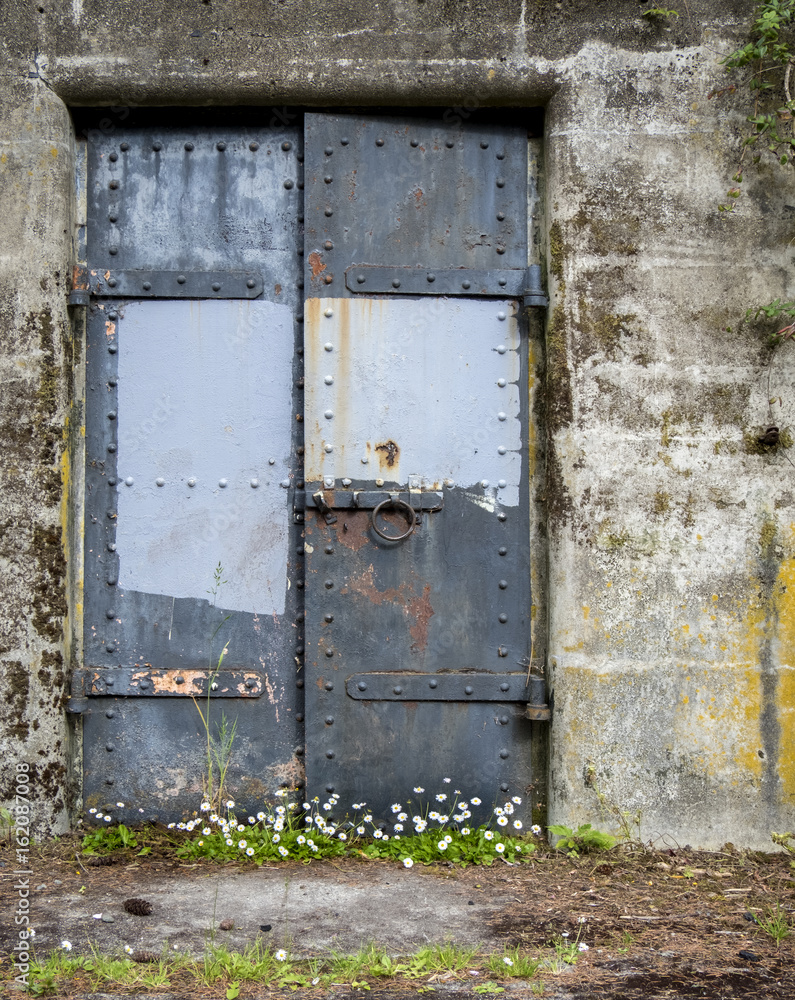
(404, 508)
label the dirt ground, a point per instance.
(673, 923)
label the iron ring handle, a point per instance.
(407, 509)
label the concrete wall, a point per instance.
(671, 535)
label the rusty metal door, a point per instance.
(416, 465)
(193, 284)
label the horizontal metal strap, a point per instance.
(368, 499)
(458, 686)
(125, 682)
(167, 284)
(376, 279)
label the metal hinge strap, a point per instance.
(374, 279)
(456, 686)
(101, 282)
(127, 682)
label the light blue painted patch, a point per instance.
(438, 377)
(204, 404)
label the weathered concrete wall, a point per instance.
(671, 536)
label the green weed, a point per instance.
(583, 840)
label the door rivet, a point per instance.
(191, 483)
(431, 278)
(500, 182)
(330, 754)
(329, 150)
(396, 282)
(253, 146)
(502, 550)
(222, 483)
(288, 184)
(484, 483)
(503, 618)
(113, 185)
(329, 212)
(124, 147)
(329, 550)
(329, 686)
(328, 179)
(346, 482)
(110, 748)
(299, 684)
(254, 483)
(361, 686)
(216, 286)
(502, 651)
(110, 613)
(397, 689)
(113, 157)
(157, 146)
(503, 720)
(500, 249)
(500, 315)
(469, 689)
(501, 483)
(503, 584)
(433, 684)
(329, 652)
(328, 618)
(113, 251)
(484, 145)
(504, 686)
(504, 786)
(250, 283)
(414, 143)
(329, 720)
(147, 286)
(188, 147)
(328, 448)
(449, 144)
(502, 416)
(466, 284)
(500, 216)
(501, 450)
(287, 146)
(329, 584)
(504, 754)
(220, 146)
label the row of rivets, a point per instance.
(221, 146)
(223, 483)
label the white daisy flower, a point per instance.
(66, 945)
(535, 828)
(205, 807)
(419, 790)
(517, 824)
(441, 797)
(249, 851)
(281, 955)
(475, 801)
(517, 800)
(408, 863)
(499, 848)
(508, 961)
(442, 845)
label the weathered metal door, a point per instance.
(363, 551)
(417, 523)
(191, 443)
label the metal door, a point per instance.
(416, 426)
(194, 284)
(411, 280)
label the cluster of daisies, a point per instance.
(305, 830)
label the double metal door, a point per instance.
(307, 443)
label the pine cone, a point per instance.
(138, 907)
(145, 956)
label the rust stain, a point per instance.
(193, 683)
(391, 450)
(316, 264)
(286, 775)
(421, 610)
(357, 534)
(277, 289)
(79, 277)
(110, 328)
(364, 584)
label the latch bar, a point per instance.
(331, 499)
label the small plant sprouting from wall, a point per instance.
(768, 61)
